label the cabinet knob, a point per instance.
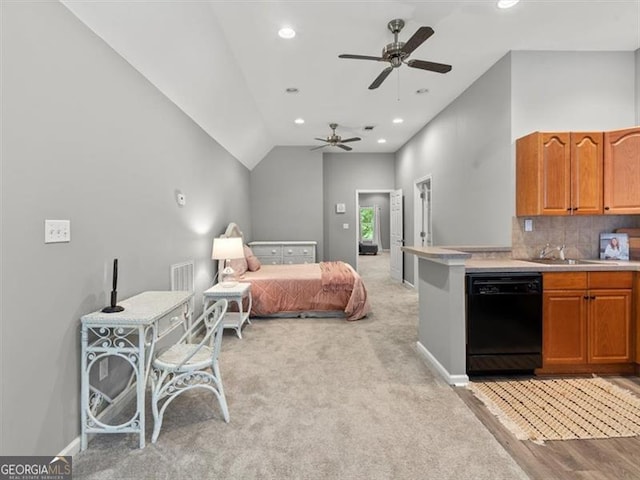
(289, 251)
(569, 209)
(273, 251)
(586, 297)
(606, 208)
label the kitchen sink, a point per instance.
(558, 261)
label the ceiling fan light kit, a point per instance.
(335, 140)
(397, 53)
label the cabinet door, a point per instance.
(622, 171)
(609, 326)
(586, 173)
(556, 174)
(564, 327)
(543, 172)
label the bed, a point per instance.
(305, 290)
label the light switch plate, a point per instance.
(57, 231)
(528, 225)
(345, 226)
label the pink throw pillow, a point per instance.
(253, 264)
(239, 266)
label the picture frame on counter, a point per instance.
(614, 246)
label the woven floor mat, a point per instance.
(561, 409)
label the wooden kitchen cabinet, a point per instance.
(559, 173)
(587, 322)
(622, 171)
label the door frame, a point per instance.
(417, 219)
(357, 229)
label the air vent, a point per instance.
(369, 127)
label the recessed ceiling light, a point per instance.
(507, 3)
(398, 120)
(287, 32)
(299, 121)
(420, 91)
(292, 90)
(382, 140)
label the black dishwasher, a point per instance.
(504, 322)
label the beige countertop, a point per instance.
(501, 265)
(512, 265)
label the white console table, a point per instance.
(130, 335)
(285, 252)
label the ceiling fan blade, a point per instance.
(431, 66)
(385, 73)
(344, 147)
(361, 57)
(321, 139)
(352, 139)
(318, 148)
(422, 34)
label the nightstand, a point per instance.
(236, 294)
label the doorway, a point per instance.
(373, 206)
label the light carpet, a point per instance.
(317, 399)
(561, 409)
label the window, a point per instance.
(366, 223)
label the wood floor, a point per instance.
(604, 459)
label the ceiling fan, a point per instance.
(396, 53)
(335, 140)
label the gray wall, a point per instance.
(343, 174)
(561, 91)
(467, 150)
(469, 147)
(383, 201)
(286, 191)
(86, 138)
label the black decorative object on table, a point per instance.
(114, 293)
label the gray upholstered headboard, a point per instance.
(233, 231)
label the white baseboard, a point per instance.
(106, 416)
(455, 380)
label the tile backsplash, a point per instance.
(579, 234)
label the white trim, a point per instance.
(417, 218)
(455, 380)
(409, 284)
(72, 448)
(107, 416)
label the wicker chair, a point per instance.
(185, 366)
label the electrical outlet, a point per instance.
(57, 231)
(104, 369)
(345, 226)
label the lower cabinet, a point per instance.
(587, 323)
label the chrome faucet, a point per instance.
(548, 249)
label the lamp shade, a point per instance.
(227, 248)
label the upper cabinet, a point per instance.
(559, 173)
(622, 171)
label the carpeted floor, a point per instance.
(317, 399)
(561, 409)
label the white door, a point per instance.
(397, 239)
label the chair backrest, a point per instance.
(212, 318)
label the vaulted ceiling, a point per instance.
(224, 65)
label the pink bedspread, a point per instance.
(308, 288)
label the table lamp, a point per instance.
(227, 249)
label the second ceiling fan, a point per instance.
(396, 53)
(335, 140)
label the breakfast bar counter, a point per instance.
(441, 297)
